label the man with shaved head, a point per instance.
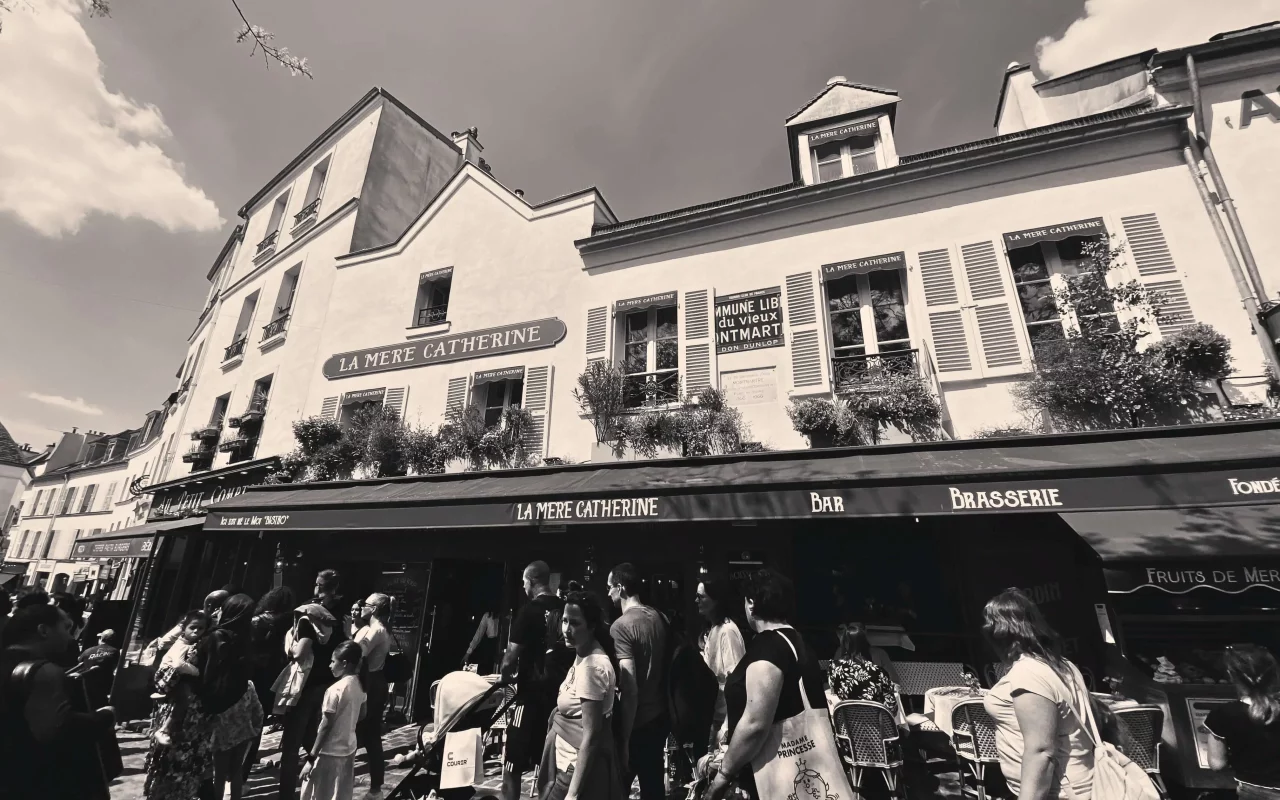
(539, 659)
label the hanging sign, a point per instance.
(749, 320)
(864, 128)
(450, 347)
(493, 375)
(841, 268)
(1055, 233)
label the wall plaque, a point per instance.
(449, 347)
(749, 386)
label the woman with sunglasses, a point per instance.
(723, 644)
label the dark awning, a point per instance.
(863, 127)
(1153, 535)
(132, 542)
(1189, 467)
(364, 396)
(1055, 233)
(647, 301)
(494, 375)
(831, 272)
(13, 568)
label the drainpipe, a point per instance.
(1224, 194)
(1191, 154)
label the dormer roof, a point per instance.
(842, 98)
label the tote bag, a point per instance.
(799, 757)
(463, 764)
(1115, 776)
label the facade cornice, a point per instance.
(291, 250)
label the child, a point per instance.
(331, 765)
(179, 662)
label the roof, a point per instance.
(1012, 69)
(1138, 59)
(371, 96)
(911, 167)
(849, 84)
(10, 453)
(236, 235)
(1223, 44)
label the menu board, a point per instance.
(408, 585)
(1198, 709)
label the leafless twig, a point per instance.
(262, 39)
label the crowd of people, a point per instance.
(602, 686)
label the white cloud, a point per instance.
(76, 404)
(71, 147)
(1116, 28)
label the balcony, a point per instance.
(866, 373)
(307, 215)
(200, 454)
(431, 316)
(209, 432)
(236, 444)
(267, 246)
(235, 349)
(644, 390)
(276, 327)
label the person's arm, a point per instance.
(629, 683)
(594, 733)
(328, 715)
(764, 688)
(519, 632)
(510, 660)
(1038, 723)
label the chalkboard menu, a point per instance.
(409, 588)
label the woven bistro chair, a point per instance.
(973, 735)
(870, 740)
(1143, 727)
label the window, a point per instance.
(48, 502)
(86, 500)
(35, 507)
(844, 158)
(219, 414)
(500, 396)
(277, 214)
(236, 348)
(284, 302)
(432, 306)
(315, 188)
(1038, 271)
(111, 493)
(48, 544)
(68, 501)
(868, 317)
(17, 552)
(651, 356)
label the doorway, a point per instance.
(460, 593)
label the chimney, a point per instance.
(520, 193)
(469, 142)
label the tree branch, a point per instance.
(262, 39)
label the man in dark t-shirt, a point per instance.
(539, 669)
(640, 639)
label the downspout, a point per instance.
(1191, 154)
(1224, 194)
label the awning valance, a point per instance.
(494, 375)
(135, 542)
(863, 127)
(435, 275)
(831, 272)
(1055, 233)
(1226, 575)
(647, 301)
(13, 568)
(364, 396)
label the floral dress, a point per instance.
(174, 772)
(858, 679)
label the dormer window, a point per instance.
(845, 151)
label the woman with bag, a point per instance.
(270, 624)
(780, 739)
(1246, 733)
(227, 694)
(1038, 705)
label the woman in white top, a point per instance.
(579, 761)
(723, 645)
(1037, 705)
(374, 639)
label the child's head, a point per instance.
(194, 625)
(346, 659)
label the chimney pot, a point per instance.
(520, 193)
(836, 79)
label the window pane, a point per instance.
(439, 294)
(888, 306)
(846, 328)
(638, 326)
(842, 294)
(1072, 251)
(830, 171)
(865, 162)
(828, 151)
(495, 394)
(636, 358)
(515, 393)
(1037, 301)
(668, 356)
(666, 322)
(1028, 264)
(492, 416)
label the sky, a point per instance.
(128, 143)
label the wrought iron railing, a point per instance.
(236, 348)
(268, 243)
(235, 444)
(197, 455)
(275, 327)
(430, 316)
(308, 211)
(868, 371)
(652, 389)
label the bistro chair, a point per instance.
(870, 739)
(1141, 729)
(973, 735)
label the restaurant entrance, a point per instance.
(461, 592)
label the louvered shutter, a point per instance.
(537, 401)
(329, 408)
(111, 493)
(807, 373)
(598, 333)
(456, 396)
(1156, 270)
(1000, 343)
(695, 341)
(949, 331)
(394, 400)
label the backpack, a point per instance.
(691, 692)
(1115, 776)
(557, 656)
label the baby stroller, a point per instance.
(463, 701)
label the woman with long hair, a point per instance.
(1038, 705)
(271, 621)
(1246, 733)
(854, 675)
(330, 770)
(227, 693)
(724, 643)
(579, 760)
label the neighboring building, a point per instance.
(15, 475)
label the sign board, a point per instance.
(492, 375)
(1055, 233)
(435, 275)
(1229, 576)
(444, 349)
(747, 387)
(648, 301)
(364, 396)
(189, 497)
(749, 320)
(839, 269)
(132, 547)
(864, 127)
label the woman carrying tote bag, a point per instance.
(780, 740)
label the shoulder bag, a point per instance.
(1115, 776)
(397, 668)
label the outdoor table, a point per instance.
(940, 702)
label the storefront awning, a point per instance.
(831, 272)
(1152, 535)
(132, 542)
(1055, 233)
(495, 375)
(647, 301)
(13, 568)
(1192, 467)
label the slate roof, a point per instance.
(10, 453)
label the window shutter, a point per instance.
(1150, 254)
(806, 350)
(456, 396)
(394, 400)
(598, 332)
(1000, 342)
(696, 341)
(952, 351)
(537, 401)
(329, 408)
(111, 493)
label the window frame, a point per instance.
(848, 155)
(651, 342)
(871, 344)
(424, 300)
(507, 403)
(1057, 269)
